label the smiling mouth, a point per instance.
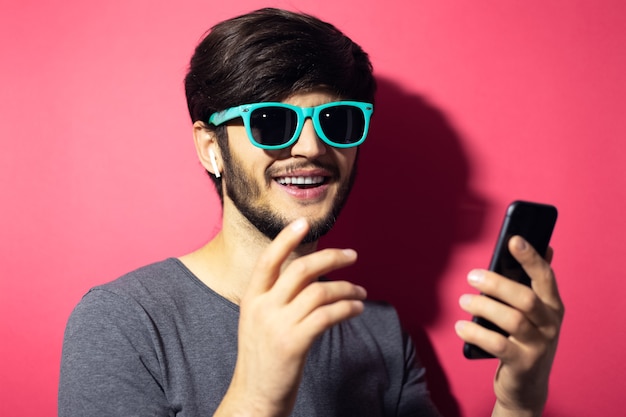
(301, 181)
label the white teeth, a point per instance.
(300, 180)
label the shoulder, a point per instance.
(158, 282)
(165, 274)
(152, 290)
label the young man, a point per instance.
(247, 325)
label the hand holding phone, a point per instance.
(534, 222)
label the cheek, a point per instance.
(348, 159)
(243, 152)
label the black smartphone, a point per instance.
(534, 222)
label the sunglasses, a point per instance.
(341, 124)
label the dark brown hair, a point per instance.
(269, 55)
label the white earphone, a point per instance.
(214, 163)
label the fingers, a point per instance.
(511, 320)
(299, 273)
(531, 316)
(323, 304)
(512, 299)
(303, 271)
(507, 303)
(492, 342)
(523, 332)
(296, 289)
(539, 271)
(536, 303)
(268, 265)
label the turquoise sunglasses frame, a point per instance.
(245, 110)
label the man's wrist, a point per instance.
(500, 410)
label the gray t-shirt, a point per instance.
(159, 342)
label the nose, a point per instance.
(308, 145)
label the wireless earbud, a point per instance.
(214, 163)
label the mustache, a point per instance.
(273, 171)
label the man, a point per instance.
(247, 324)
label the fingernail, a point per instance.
(476, 276)
(350, 253)
(459, 326)
(465, 300)
(361, 291)
(298, 225)
(521, 244)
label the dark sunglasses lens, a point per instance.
(273, 126)
(343, 124)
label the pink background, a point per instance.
(481, 102)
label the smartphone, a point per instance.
(534, 222)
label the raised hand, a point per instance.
(282, 312)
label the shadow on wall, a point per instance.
(410, 205)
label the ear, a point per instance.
(207, 148)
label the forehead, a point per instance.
(311, 98)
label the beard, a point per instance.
(244, 192)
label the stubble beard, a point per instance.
(244, 192)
